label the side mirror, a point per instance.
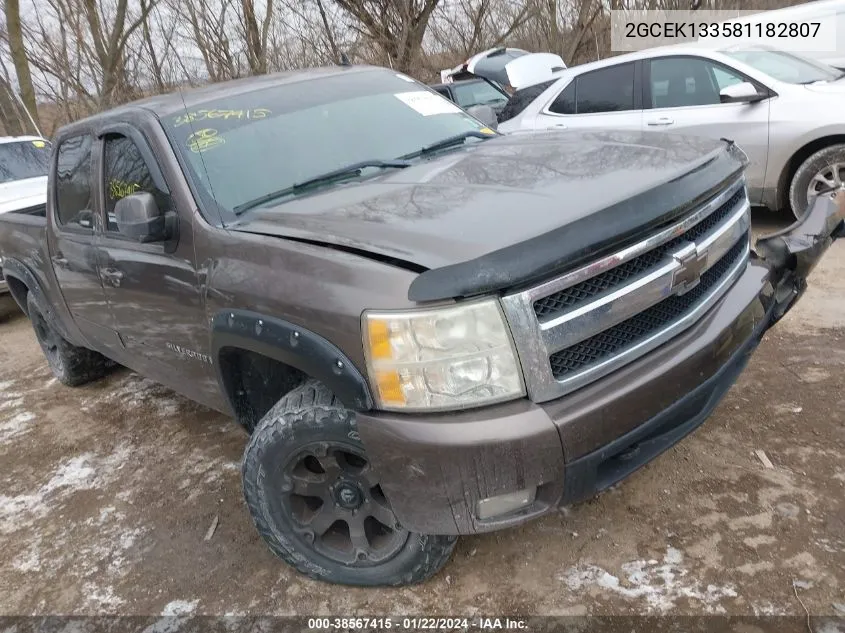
(138, 217)
(485, 114)
(744, 92)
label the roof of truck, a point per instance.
(166, 104)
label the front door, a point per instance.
(152, 288)
(683, 97)
(71, 237)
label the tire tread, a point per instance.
(294, 408)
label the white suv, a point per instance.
(783, 110)
(24, 163)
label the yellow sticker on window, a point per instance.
(39, 144)
(486, 130)
(202, 115)
(120, 188)
(204, 139)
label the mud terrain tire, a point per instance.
(315, 498)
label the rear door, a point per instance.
(598, 99)
(152, 289)
(682, 95)
(71, 239)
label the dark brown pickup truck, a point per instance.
(428, 329)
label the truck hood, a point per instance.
(498, 193)
(23, 194)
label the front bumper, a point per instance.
(435, 469)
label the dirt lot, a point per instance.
(108, 490)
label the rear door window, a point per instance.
(606, 90)
(73, 182)
(565, 101)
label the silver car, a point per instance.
(787, 112)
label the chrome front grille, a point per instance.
(578, 327)
(640, 326)
(579, 293)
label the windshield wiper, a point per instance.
(458, 139)
(350, 171)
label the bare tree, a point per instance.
(255, 37)
(209, 22)
(19, 58)
(328, 29)
(397, 29)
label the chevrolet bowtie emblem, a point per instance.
(692, 264)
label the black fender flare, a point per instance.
(15, 268)
(293, 345)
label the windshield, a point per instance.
(24, 159)
(786, 67)
(243, 147)
(477, 93)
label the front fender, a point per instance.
(293, 345)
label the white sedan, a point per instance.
(783, 110)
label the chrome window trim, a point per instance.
(536, 340)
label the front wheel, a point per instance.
(316, 499)
(822, 171)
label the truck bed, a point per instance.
(22, 231)
(22, 238)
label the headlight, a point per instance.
(438, 359)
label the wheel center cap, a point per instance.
(348, 496)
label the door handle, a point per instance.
(113, 276)
(664, 120)
(560, 126)
(60, 261)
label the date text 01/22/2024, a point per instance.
(416, 623)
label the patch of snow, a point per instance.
(5, 384)
(135, 391)
(659, 584)
(76, 473)
(83, 472)
(12, 403)
(102, 599)
(832, 626)
(16, 425)
(28, 561)
(167, 624)
(180, 607)
(767, 608)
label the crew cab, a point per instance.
(427, 328)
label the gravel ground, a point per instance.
(108, 490)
